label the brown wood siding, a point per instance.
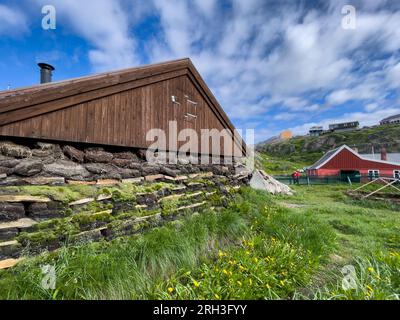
(124, 118)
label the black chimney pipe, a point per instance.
(46, 72)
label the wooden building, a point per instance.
(116, 108)
(344, 162)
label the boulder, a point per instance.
(74, 154)
(9, 249)
(50, 210)
(11, 211)
(11, 149)
(66, 169)
(263, 181)
(28, 168)
(126, 156)
(170, 172)
(129, 173)
(103, 171)
(39, 153)
(150, 169)
(122, 163)
(8, 162)
(6, 171)
(98, 155)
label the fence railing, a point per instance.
(323, 180)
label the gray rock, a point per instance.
(104, 171)
(170, 172)
(11, 211)
(129, 173)
(149, 169)
(126, 156)
(41, 153)
(28, 168)
(74, 154)
(11, 149)
(122, 163)
(7, 234)
(66, 169)
(8, 162)
(7, 171)
(39, 211)
(98, 155)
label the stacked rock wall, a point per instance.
(50, 163)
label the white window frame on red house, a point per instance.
(372, 173)
(396, 174)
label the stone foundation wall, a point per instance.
(32, 224)
(50, 163)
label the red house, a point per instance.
(346, 162)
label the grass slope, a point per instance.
(259, 247)
(306, 149)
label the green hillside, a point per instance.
(304, 150)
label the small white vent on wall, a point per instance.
(175, 100)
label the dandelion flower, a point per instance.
(170, 290)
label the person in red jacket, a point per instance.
(296, 177)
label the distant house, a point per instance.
(316, 131)
(391, 120)
(346, 162)
(345, 126)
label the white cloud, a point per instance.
(12, 21)
(393, 76)
(365, 119)
(105, 25)
(371, 107)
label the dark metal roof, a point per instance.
(391, 117)
(324, 158)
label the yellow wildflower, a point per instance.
(224, 271)
(217, 297)
(282, 283)
(370, 269)
(239, 283)
(170, 290)
(196, 284)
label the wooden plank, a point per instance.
(13, 198)
(9, 263)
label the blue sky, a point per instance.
(273, 65)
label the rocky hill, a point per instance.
(307, 149)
